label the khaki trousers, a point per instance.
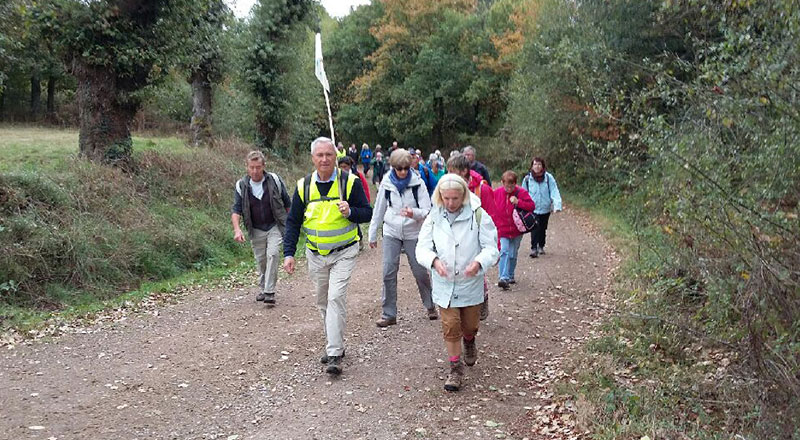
(266, 245)
(331, 275)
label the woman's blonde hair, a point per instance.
(400, 159)
(447, 182)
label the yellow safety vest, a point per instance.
(341, 153)
(325, 227)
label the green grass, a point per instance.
(38, 149)
(76, 236)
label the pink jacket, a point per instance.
(503, 210)
(482, 189)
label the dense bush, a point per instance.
(685, 113)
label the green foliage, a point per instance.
(683, 114)
(276, 31)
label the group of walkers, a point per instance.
(452, 226)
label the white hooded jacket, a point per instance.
(458, 245)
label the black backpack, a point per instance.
(414, 190)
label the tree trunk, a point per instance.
(266, 133)
(105, 116)
(201, 109)
(51, 97)
(36, 95)
(2, 104)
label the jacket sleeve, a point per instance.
(360, 211)
(425, 248)
(424, 205)
(487, 238)
(555, 195)
(525, 201)
(237, 200)
(378, 213)
(293, 223)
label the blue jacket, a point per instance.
(366, 156)
(428, 177)
(544, 194)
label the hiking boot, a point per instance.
(386, 322)
(334, 365)
(534, 252)
(503, 284)
(324, 358)
(269, 298)
(470, 352)
(484, 309)
(432, 314)
(453, 382)
(260, 297)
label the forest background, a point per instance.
(675, 120)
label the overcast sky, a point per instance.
(336, 8)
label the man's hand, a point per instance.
(440, 268)
(238, 236)
(344, 208)
(373, 244)
(288, 265)
(472, 269)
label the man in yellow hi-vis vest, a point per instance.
(327, 204)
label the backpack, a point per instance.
(414, 190)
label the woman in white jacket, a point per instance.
(458, 241)
(401, 206)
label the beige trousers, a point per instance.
(331, 275)
(266, 245)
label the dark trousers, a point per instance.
(366, 168)
(539, 233)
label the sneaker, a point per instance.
(260, 297)
(269, 298)
(324, 358)
(386, 322)
(484, 309)
(432, 315)
(470, 352)
(534, 253)
(453, 382)
(334, 365)
(503, 284)
(541, 250)
(512, 281)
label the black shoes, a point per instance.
(503, 284)
(324, 358)
(268, 298)
(534, 253)
(334, 365)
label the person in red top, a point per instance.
(347, 164)
(507, 198)
(459, 164)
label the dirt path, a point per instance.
(218, 365)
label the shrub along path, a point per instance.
(216, 364)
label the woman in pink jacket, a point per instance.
(506, 199)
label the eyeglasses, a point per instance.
(402, 168)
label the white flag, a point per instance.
(319, 69)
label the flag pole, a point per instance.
(330, 116)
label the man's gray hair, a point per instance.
(320, 140)
(469, 148)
